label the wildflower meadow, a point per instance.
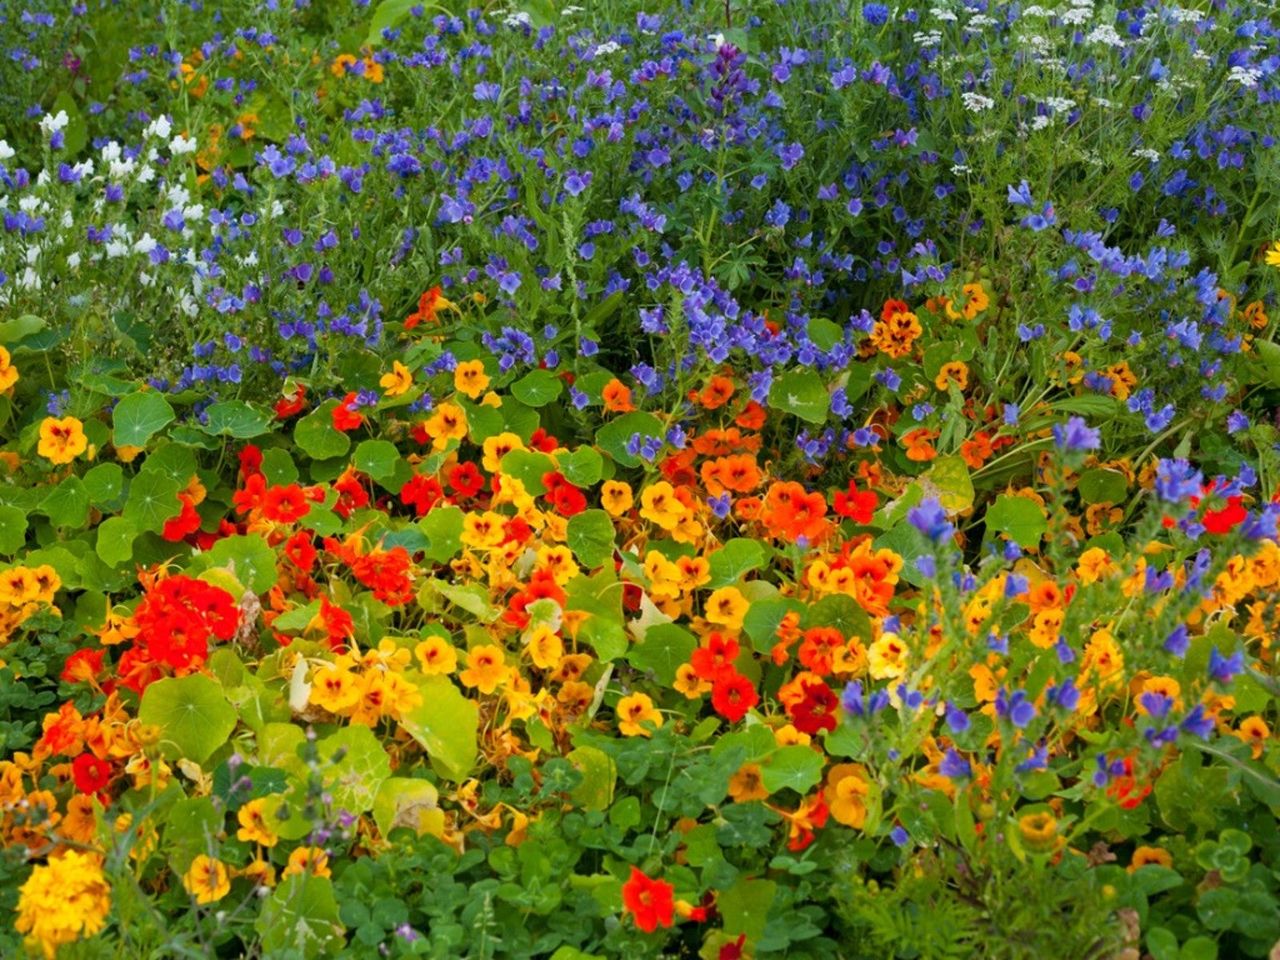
(722, 480)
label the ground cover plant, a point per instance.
(710, 480)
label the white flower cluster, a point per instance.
(976, 102)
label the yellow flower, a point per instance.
(469, 378)
(334, 689)
(372, 70)
(887, 658)
(62, 901)
(398, 381)
(449, 422)
(340, 64)
(497, 447)
(1273, 255)
(658, 504)
(254, 825)
(1040, 832)
(482, 531)
(8, 372)
(486, 668)
(545, 648)
(207, 879)
(310, 860)
(727, 607)
(846, 794)
(616, 498)
(437, 656)
(635, 710)
(689, 683)
(61, 441)
(1255, 732)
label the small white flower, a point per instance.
(73, 260)
(6, 152)
(182, 144)
(1146, 153)
(606, 48)
(1106, 35)
(159, 128)
(52, 124)
(1245, 76)
(518, 19)
(976, 102)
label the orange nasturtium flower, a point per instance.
(61, 440)
(8, 372)
(486, 668)
(469, 378)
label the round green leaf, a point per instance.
(138, 417)
(194, 717)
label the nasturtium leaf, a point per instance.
(613, 437)
(316, 435)
(67, 504)
(734, 560)
(446, 724)
(590, 537)
(582, 467)
(1268, 351)
(599, 774)
(377, 458)
(1021, 519)
(744, 907)
(763, 617)
(529, 467)
(237, 419)
(443, 528)
(841, 612)
(300, 919)
(1103, 486)
(353, 765)
(13, 529)
(104, 484)
(664, 648)
(192, 713)
(249, 557)
(797, 768)
(600, 597)
(824, 333)
(191, 828)
(115, 540)
(278, 467)
(404, 802)
(801, 393)
(537, 388)
(139, 417)
(948, 479)
(172, 460)
(19, 328)
(153, 499)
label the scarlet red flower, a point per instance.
(83, 665)
(184, 524)
(567, 500)
(351, 493)
(250, 498)
(300, 550)
(465, 479)
(345, 416)
(650, 902)
(733, 695)
(541, 440)
(816, 710)
(422, 493)
(337, 624)
(715, 657)
(733, 951)
(1224, 520)
(90, 774)
(250, 460)
(285, 504)
(286, 407)
(858, 505)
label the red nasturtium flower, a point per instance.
(345, 416)
(733, 695)
(428, 304)
(650, 902)
(90, 774)
(858, 505)
(817, 708)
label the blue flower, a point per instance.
(1076, 434)
(954, 766)
(931, 520)
(1224, 669)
